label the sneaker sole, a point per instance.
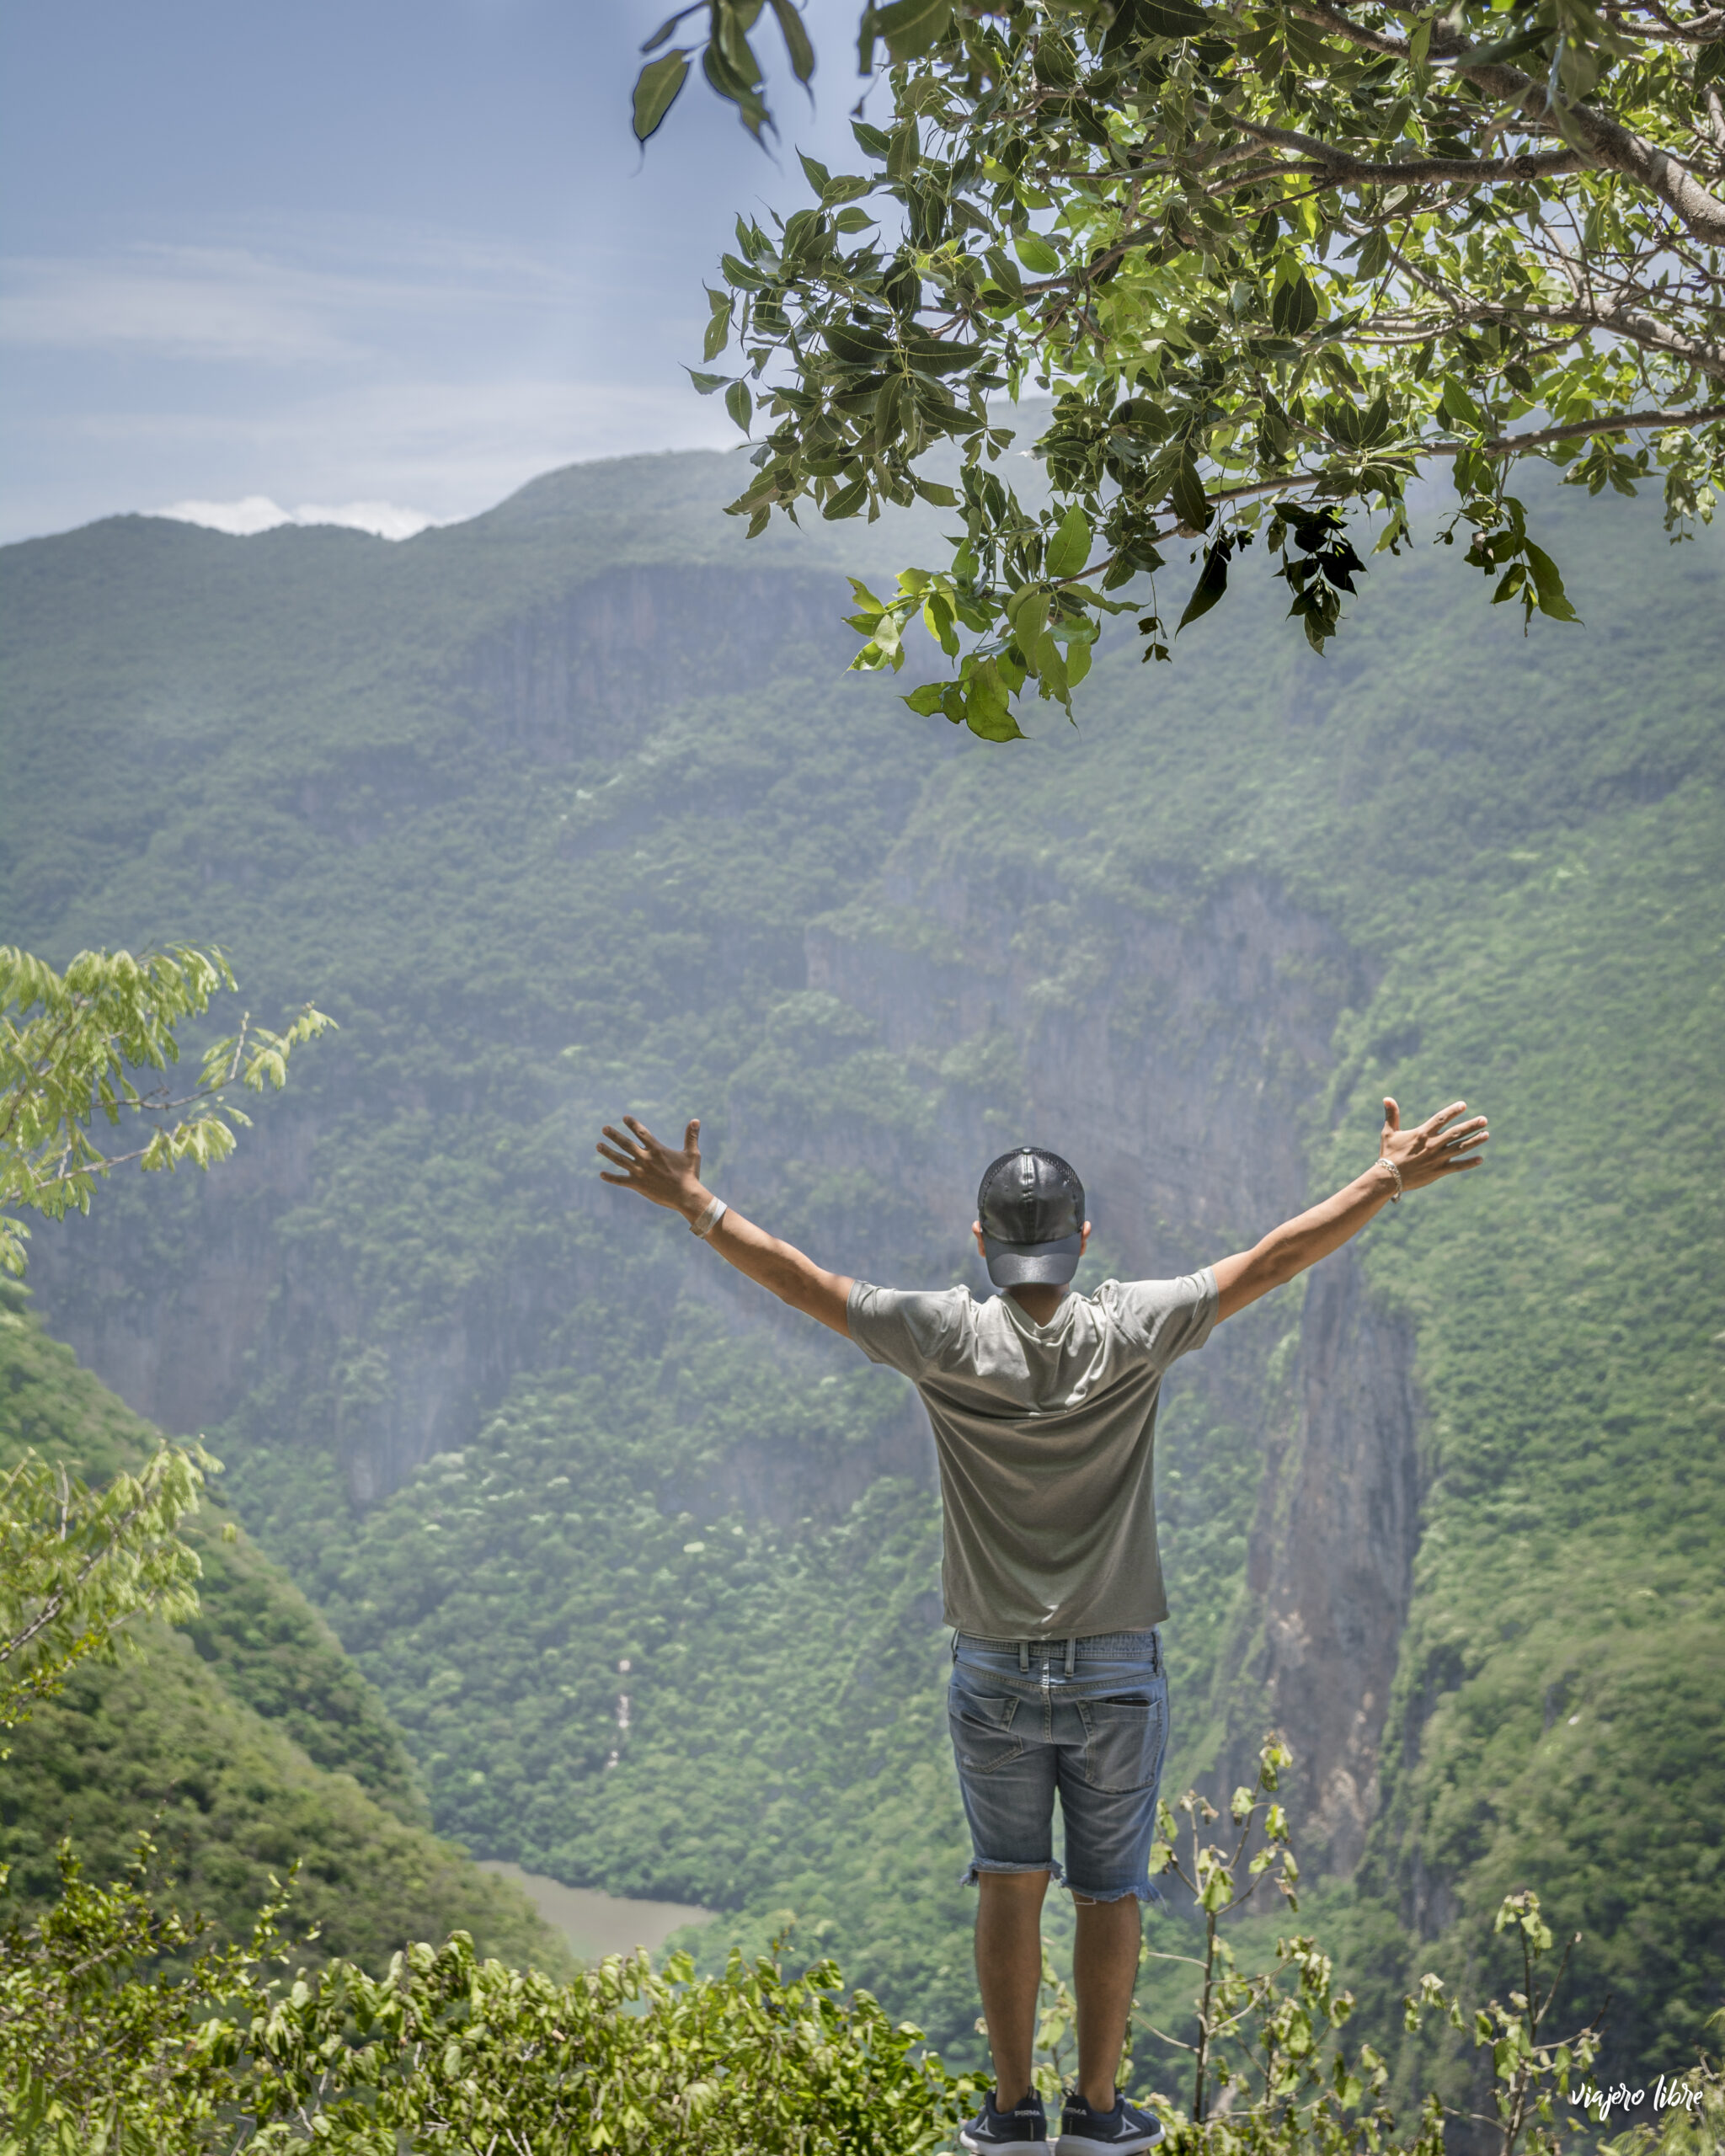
(1076, 2145)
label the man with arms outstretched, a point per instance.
(1042, 1404)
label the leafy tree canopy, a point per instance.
(1272, 259)
(69, 1045)
(77, 1564)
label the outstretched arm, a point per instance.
(1431, 1149)
(671, 1179)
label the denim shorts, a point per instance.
(1088, 1718)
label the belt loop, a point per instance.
(1072, 1656)
(1023, 1656)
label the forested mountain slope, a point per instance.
(570, 810)
(243, 1741)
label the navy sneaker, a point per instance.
(1020, 2132)
(1126, 2128)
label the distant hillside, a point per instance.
(572, 809)
(242, 1742)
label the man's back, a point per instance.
(1046, 1437)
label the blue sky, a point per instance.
(396, 252)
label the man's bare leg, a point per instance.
(1104, 1973)
(1009, 1973)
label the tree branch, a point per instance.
(1612, 423)
(1610, 143)
(1468, 172)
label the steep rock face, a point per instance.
(1169, 1054)
(586, 674)
(582, 676)
(1330, 1566)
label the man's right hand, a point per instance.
(673, 1180)
(661, 1176)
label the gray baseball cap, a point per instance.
(1030, 1207)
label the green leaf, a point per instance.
(854, 347)
(661, 34)
(1035, 254)
(846, 501)
(1458, 406)
(1508, 48)
(1212, 583)
(1004, 271)
(1294, 309)
(911, 28)
(1375, 253)
(656, 88)
(939, 355)
(1549, 585)
(1191, 504)
(1070, 548)
(986, 712)
(904, 149)
(1170, 19)
(796, 38)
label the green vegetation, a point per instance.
(247, 1741)
(69, 1049)
(445, 2051)
(751, 895)
(108, 2042)
(1273, 262)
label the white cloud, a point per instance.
(240, 303)
(203, 303)
(254, 513)
(360, 363)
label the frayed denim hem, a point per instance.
(1150, 1893)
(979, 1865)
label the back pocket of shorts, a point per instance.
(1122, 1747)
(981, 1727)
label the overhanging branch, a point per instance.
(1466, 172)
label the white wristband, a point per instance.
(1385, 1161)
(710, 1219)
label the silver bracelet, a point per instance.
(710, 1219)
(1385, 1161)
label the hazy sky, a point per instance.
(395, 252)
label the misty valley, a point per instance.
(562, 1553)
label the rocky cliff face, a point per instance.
(588, 672)
(1330, 1566)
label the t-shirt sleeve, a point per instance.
(908, 1330)
(1166, 1318)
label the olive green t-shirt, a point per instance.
(1046, 1437)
